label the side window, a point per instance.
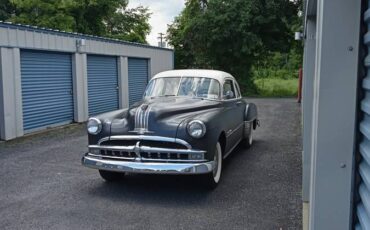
(237, 90)
(229, 90)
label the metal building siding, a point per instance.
(46, 80)
(137, 78)
(363, 208)
(102, 78)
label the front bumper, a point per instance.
(147, 167)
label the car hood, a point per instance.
(160, 116)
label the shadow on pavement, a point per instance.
(164, 189)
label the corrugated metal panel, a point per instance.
(137, 78)
(46, 89)
(102, 78)
(363, 208)
(46, 31)
(33, 38)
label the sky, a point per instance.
(163, 13)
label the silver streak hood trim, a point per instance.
(142, 119)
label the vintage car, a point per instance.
(187, 122)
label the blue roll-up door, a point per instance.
(102, 80)
(137, 78)
(46, 79)
(363, 207)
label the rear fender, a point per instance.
(250, 112)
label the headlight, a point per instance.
(196, 129)
(94, 126)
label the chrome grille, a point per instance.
(144, 155)
(153, 144)
(115, 153)
(146, 148)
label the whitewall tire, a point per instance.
(212, 179)
(248, 135)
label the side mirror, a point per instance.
(229, 94)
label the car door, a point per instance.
(233, 113)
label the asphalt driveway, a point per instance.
(44, 186)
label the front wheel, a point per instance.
(212, 179)
(111, 176)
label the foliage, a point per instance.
(278, 65)
(6, 9)
(272, 87)
(109, 18)
(277, 75)
(51, 14)
(129, 24)
(231, 35)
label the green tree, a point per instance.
(44, 13)
(109, 18)
(231, 35)
(182, 35)
(90, 14)
(6, 10)
(128, 24)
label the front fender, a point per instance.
(106, 120)
(212, 120)
(109, 116)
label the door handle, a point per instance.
(238, 103)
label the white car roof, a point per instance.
(214, 74)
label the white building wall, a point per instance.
(10, 94)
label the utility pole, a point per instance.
(161, 38)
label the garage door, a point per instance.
(137, 78)
(102, 78)
(46, 80)
(363, 207)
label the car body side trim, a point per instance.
(228, 153)
(233, 131)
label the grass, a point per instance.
(275, 87)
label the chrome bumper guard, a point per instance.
(147, 167)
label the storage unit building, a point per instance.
(50, 78)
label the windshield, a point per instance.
(184, 86)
